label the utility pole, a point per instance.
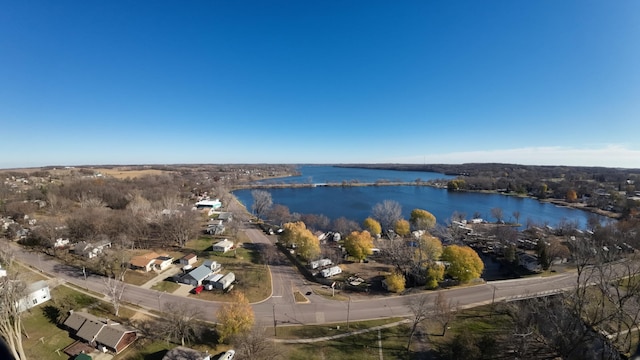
(493, 300)
(348, 310)
(274, 321)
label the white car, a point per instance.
(228, 355)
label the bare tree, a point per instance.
(443, 311)
(181, 322)
(387, 213)
(262, 202)
(114, 291)
(419, 306)
(180, 226)
(497, 214)
(255, 345)
(12, 293)
(516, 215)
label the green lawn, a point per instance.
(44, 336)
(166, 286)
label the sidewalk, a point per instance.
(338, 336)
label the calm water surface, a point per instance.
(356, 202)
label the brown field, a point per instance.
(123, 172)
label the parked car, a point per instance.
(198, 289)
(228, 355)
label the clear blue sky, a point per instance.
(157, 82)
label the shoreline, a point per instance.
(437, 185)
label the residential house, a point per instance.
(37, 293)
(215, 227)
(184, 353)
(208, 204)
(196, 276)
(529, 262)
(225, 216)
(3, 272)
(162, 262)
(102, 334)
(144, 262)
(91, 250)
(222, 246)
(189, 259)
(61, 242)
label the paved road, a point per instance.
(319, 310)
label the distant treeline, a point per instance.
(611, 189)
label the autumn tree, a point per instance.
(235, 317)
(12, 291)
(464, 263)
(422, 219)
(262, 202)
(307, 244)
(395, 282)
(359, 244)
(387, 213)
(572, 196)
(402, 227)
(372, 226)
(435, 274)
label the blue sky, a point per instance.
(157, 82)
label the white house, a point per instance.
(211, 204)
(37, 293)
(222, 246)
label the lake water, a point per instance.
(355, 203)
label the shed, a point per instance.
(223, 246)
(189, 259)
(225, 281)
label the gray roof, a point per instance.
(40, 284)
(76, 319)
(90, 329)
(200, 273)
(184, 353)
(111, 335)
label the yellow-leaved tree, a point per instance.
(464, 263)
(435, 274)
(422, 219)
(359, 244)
(307, 244)
(395, 282)
(235, 317)
(402, 227)
(372, 226)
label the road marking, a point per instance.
(277, 296)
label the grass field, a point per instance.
(393, 342)
(123, 173)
